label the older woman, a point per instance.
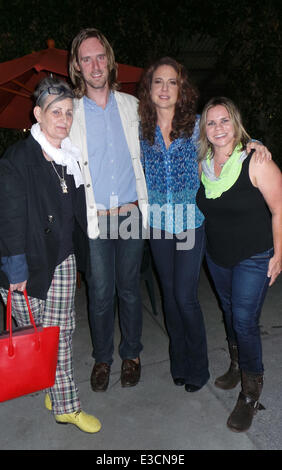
(242, 202)
(41, 200)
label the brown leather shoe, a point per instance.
(100, 377)
(130, 373)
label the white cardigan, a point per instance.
(127, 106)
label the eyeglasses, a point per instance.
(52, 90)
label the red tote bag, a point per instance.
(28, 357)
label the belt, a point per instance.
(118, 210)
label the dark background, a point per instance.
(229, 47)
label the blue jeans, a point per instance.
(242, 290)
(179, 272)
(114, 265)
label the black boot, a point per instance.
(247, 404)
(232, 377)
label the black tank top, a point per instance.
(238, 223)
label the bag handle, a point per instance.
(9, 322)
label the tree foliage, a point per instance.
(250, 43)
(247, 34)
(137, 29)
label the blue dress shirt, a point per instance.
(110, 164)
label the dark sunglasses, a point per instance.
(52, 90)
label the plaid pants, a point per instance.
(56, 310)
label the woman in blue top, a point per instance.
(169, 132)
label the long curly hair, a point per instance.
(185, 109)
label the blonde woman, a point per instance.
(241, 199)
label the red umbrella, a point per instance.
(19, 77)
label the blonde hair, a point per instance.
(75, 74)
(241, 135)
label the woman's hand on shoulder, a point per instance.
(261, 151)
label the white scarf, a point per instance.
(68, 155)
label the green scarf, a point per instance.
(214, 187)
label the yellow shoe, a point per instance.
(47, 402)
(83, 421)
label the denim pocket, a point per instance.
(264, 255)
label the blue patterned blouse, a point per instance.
(172, 182)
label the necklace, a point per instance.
(61, 178)
(221, 165)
